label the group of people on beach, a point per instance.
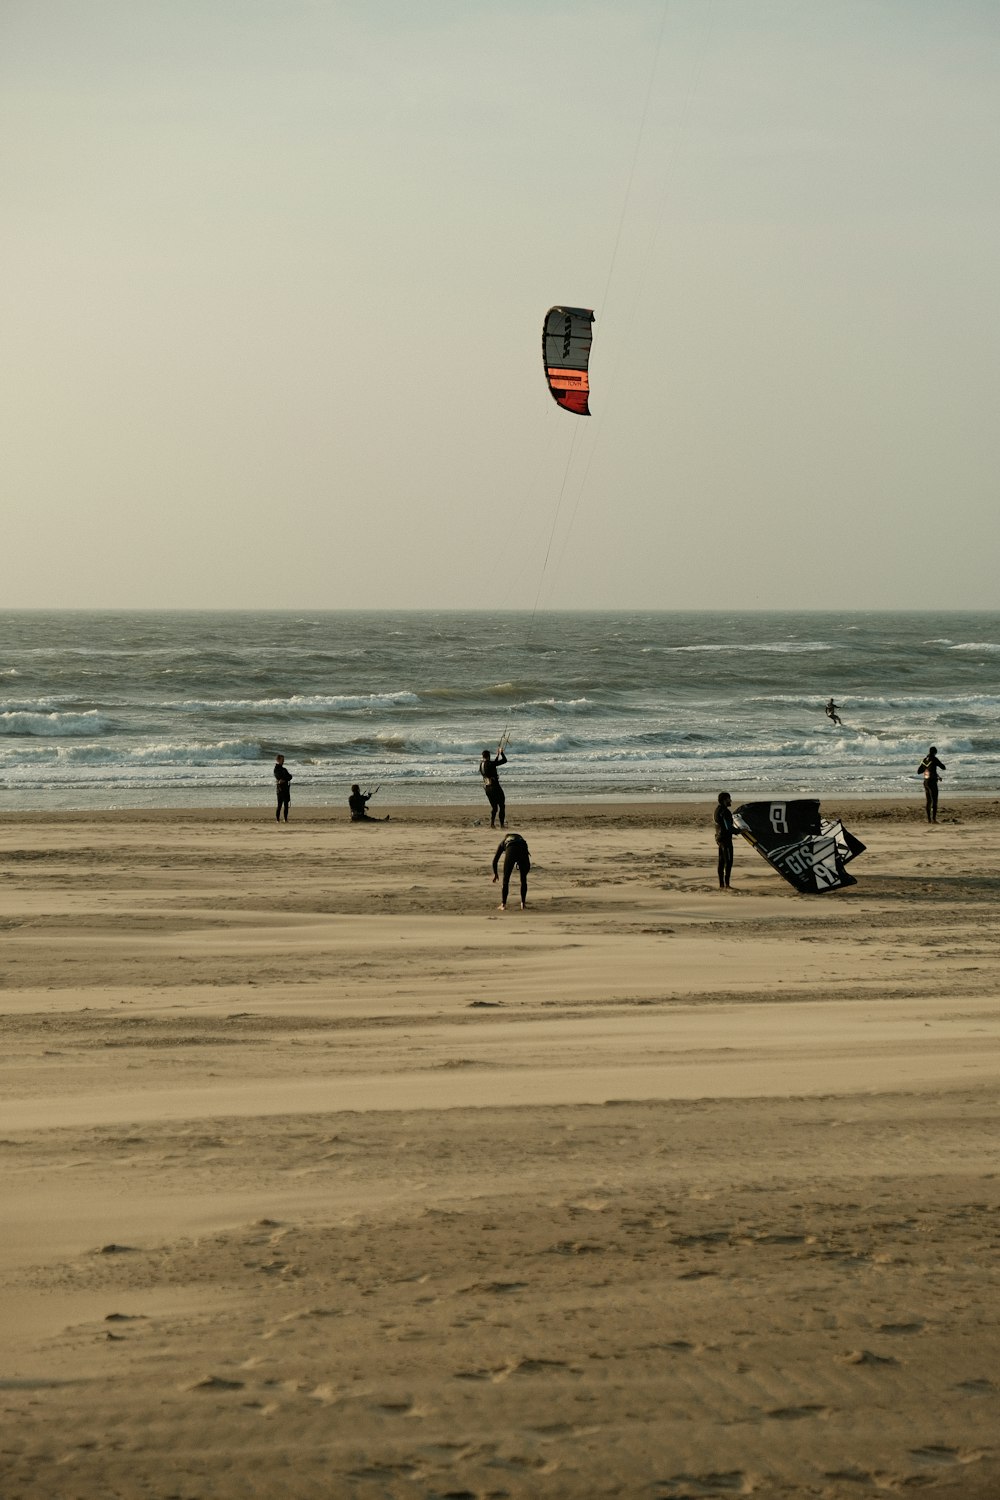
(513, 849)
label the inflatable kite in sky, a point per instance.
(566, 338)
(809, 851)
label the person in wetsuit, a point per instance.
(283, 778)
(489, 770)
(928, 769)
(515, 856)
(358, 803)
(724, 830)
(831, 713)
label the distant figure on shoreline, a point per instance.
(928, 769)
(724, 830)
(831, 713)
(515, 856)
(358, 803)
(283, 777)
(489, 770)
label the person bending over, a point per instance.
(515, 856)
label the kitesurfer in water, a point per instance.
(283, 778)
(724, 830)
(489, 770)
(831, 713)
(928, 769)
(358, 803)
(515, 856)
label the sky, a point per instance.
(275, 273)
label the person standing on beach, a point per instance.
(283, 777)
(515, 856)
(928, 769)
(724, 830)
(489, 770)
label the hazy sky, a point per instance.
(274, 273)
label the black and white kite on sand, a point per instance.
(809, 851)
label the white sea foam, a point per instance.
(180, 754)
(314, 703)
(55, 724)
(563, 705)
(779, 648)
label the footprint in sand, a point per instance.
(214, 1383)
(688, 1486)
(935, 1453)
(868, 1357)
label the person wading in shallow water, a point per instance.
(283, 777)
(928, 769)
(489, 771)
(724, 830)
(515, 856)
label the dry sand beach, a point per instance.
(322, 1177)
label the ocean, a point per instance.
(115, 710)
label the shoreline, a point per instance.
(640, 811)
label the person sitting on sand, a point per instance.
(724, 830)
(358, 803)
(283, 777)
(489, 771)
(515, 855)
(928, 769)
(831, 712)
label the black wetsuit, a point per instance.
(358, 803)
(284, 779)
(724, 829)
(488, 770)
(515, 855)
(929, 768)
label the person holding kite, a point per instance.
(724, 830)
(928, 769)
(489, 770)
(358, 803)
